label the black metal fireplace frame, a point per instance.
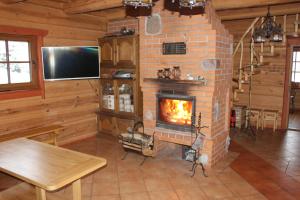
(163, 124)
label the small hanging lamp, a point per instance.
(191, 3)
(138, 3)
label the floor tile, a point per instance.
(241, 189)
(163, 195)
(191, 193)
(183, 181)
(127, 187)
(105, 187)
(216, 191)
(157, 184)
(135, 196)
(106, 197)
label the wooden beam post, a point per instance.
(11, 1)
(91, 5)
(248, 13)
(234, 4)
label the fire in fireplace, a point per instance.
(175, 111)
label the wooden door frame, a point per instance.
(291, 42)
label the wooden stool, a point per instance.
(255, 115)
(270, 115)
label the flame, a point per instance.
(176, 111)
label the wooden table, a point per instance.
(47, 167)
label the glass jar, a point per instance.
(108, 97)
(167, 73)
(160, 73)
(176, 72)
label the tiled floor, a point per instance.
(271, 163)
(157, 179)
(264, 169)
(280, 149)
(294, 120)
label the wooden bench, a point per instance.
(51, 130)
(25, 191)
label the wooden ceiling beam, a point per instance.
(247, 13)
(91, 5)
(237, 4)
(84, 6)
(11, 1)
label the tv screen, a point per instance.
(70, 62)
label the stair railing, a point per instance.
(240, 45)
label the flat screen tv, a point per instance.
(61, 63)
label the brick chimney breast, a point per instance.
(208, 55)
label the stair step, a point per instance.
(244, 82)
(269, 54)
(235, 100)
(235, 80)
(240, 91)
(256, 72)
(293, 34)
(258, 64)
(263, 64)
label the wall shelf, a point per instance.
(178, 82)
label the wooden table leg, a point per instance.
(76, 190)
(40, 193)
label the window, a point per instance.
(296, 65)
(16, 63)
(20, 62)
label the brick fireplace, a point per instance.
(175, 111)
(209, 48)
(208, 54)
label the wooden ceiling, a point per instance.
(226, 9)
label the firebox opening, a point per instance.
(175, 112)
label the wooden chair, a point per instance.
(270, 115)
(255, 115)
(293, 98)
(137, 141)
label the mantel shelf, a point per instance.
(177, 82)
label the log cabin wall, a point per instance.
(70, 103)
(268, 85)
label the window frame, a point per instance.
(294, 62)
(36, 86)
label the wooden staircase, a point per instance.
(243, 70)
(257, 60)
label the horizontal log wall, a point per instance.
(70, 103)
(268, 85)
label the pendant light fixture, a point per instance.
(269, 30)
(182, 3)
(191, 3)
(138, 3)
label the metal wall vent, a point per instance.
(174, 48)
(153, 24)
